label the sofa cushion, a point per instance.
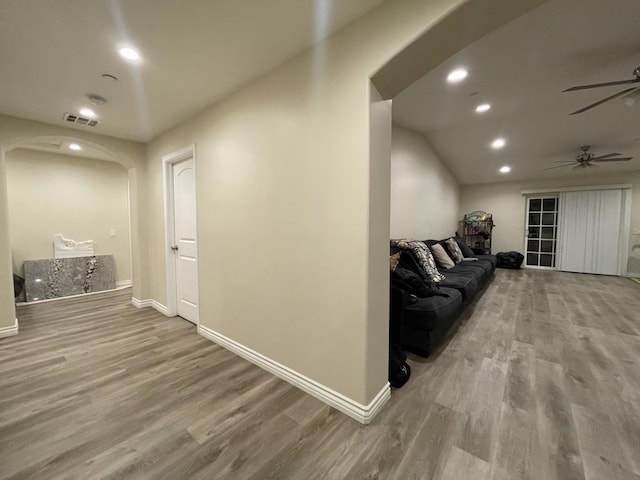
(479, 271)
(442, 257)
(489, 258)
(427, 313)
(446, 246)
(464, 248)
(409, 262)
(466, 282)
(423, 256)
(410, 282)
(488, 266)
(454, 249)
(484, 265)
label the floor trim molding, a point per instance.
(9, 331)
(362, 413)
(150, 303)
(124, 283)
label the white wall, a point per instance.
(292, 241)
(7, 306)
(378, 242)
(425, 196)
(80, 198)
(508, 206)
(14, 132)
(284, 186)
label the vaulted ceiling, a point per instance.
(521, 69)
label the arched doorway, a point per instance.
(131, 162)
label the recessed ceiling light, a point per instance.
(498, 143)
(505, 169)
(87, 112)
(457, 75)
(129, 53)
(75, 146)
(484, 107)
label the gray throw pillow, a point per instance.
(442, 258)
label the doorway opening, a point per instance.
(541, 233)
(69, 222)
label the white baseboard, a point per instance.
(150, 303)
(9, 331)
(124, 283)
(362, 413)
(632, 275)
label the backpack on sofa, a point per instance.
(511, 260)
(399, 369)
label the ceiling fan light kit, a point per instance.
(586, 159)
(632, 99)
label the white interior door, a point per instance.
(185, 241)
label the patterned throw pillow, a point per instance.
(442, 258)
(425, 259)
(453, 247)
(393, 261)
(464, 248)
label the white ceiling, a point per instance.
(195, 52)
(521, 69)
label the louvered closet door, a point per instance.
(590, 224)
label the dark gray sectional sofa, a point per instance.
(420, 322)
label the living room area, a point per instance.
(538, 360)
(301, 170)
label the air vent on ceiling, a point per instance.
(70, 117)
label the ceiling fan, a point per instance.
(635, 79)
(586, 159)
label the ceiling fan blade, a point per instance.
(611, 97)
(621, 159)
(559, 166)
(584, 165)
(605, 156)
(597, 85)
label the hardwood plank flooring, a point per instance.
(539, 379)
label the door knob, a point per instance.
(174, 248)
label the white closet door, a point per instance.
(590, 223)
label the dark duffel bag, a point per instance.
(511, 260)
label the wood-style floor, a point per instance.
(540, 381)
